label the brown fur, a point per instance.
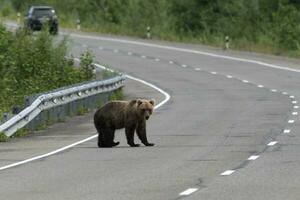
(131, 115)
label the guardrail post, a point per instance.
(226, 47)
(19, 18)
(78, 24)
(148, 32)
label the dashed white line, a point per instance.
(143, 56)
(245, 81)
(157, 59)
(197, 69)
(296, 107)
(294, 113)
(272, 143)
(253, 157)
(292, 97)
(229, 76)
(286, 131)
(273, 90)
(188, 191)
(171, 62)
(291, 121)
(213, 73)
(260, 86)
(227, 173)
(284, 93)
(294, 102)
(184, 66)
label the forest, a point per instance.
(268, 26)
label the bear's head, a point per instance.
(145, 108)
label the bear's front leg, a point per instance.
(141, 132)
(130, 137)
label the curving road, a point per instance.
(229, 131)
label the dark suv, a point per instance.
(38, 16)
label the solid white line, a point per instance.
(286, 131)
(184, 50)
(48, 154)
(254, 157)
(188, 191)
(272, 143)
(167, 97)
(227, 173)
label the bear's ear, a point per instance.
(139, 101)
(152, 101)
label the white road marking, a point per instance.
(260, 86)
(229, 76)
(182, 50)
(285, 93)
(292, 97)
(213, 73)
(273, 90)
(188, 191)
(272, 143)
(294, 102)
(143, 56)
(184, 65)
(245, 81)
(296, 107)
(294, 113)
(286, 131)
(157, 59)
(291, 121)
(253, 157)
(227, 173)
(198, 69)
(171, 62)
(167, 97)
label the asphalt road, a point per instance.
(229, 131)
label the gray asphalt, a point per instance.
(212, 123)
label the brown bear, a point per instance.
(131, 115)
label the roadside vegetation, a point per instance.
(31, 64)
(268, 26)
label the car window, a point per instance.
(43, 12)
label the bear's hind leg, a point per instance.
(108, 138)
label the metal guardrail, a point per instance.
(59, 98)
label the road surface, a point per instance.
(229, 131)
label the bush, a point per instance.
(32, 64)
